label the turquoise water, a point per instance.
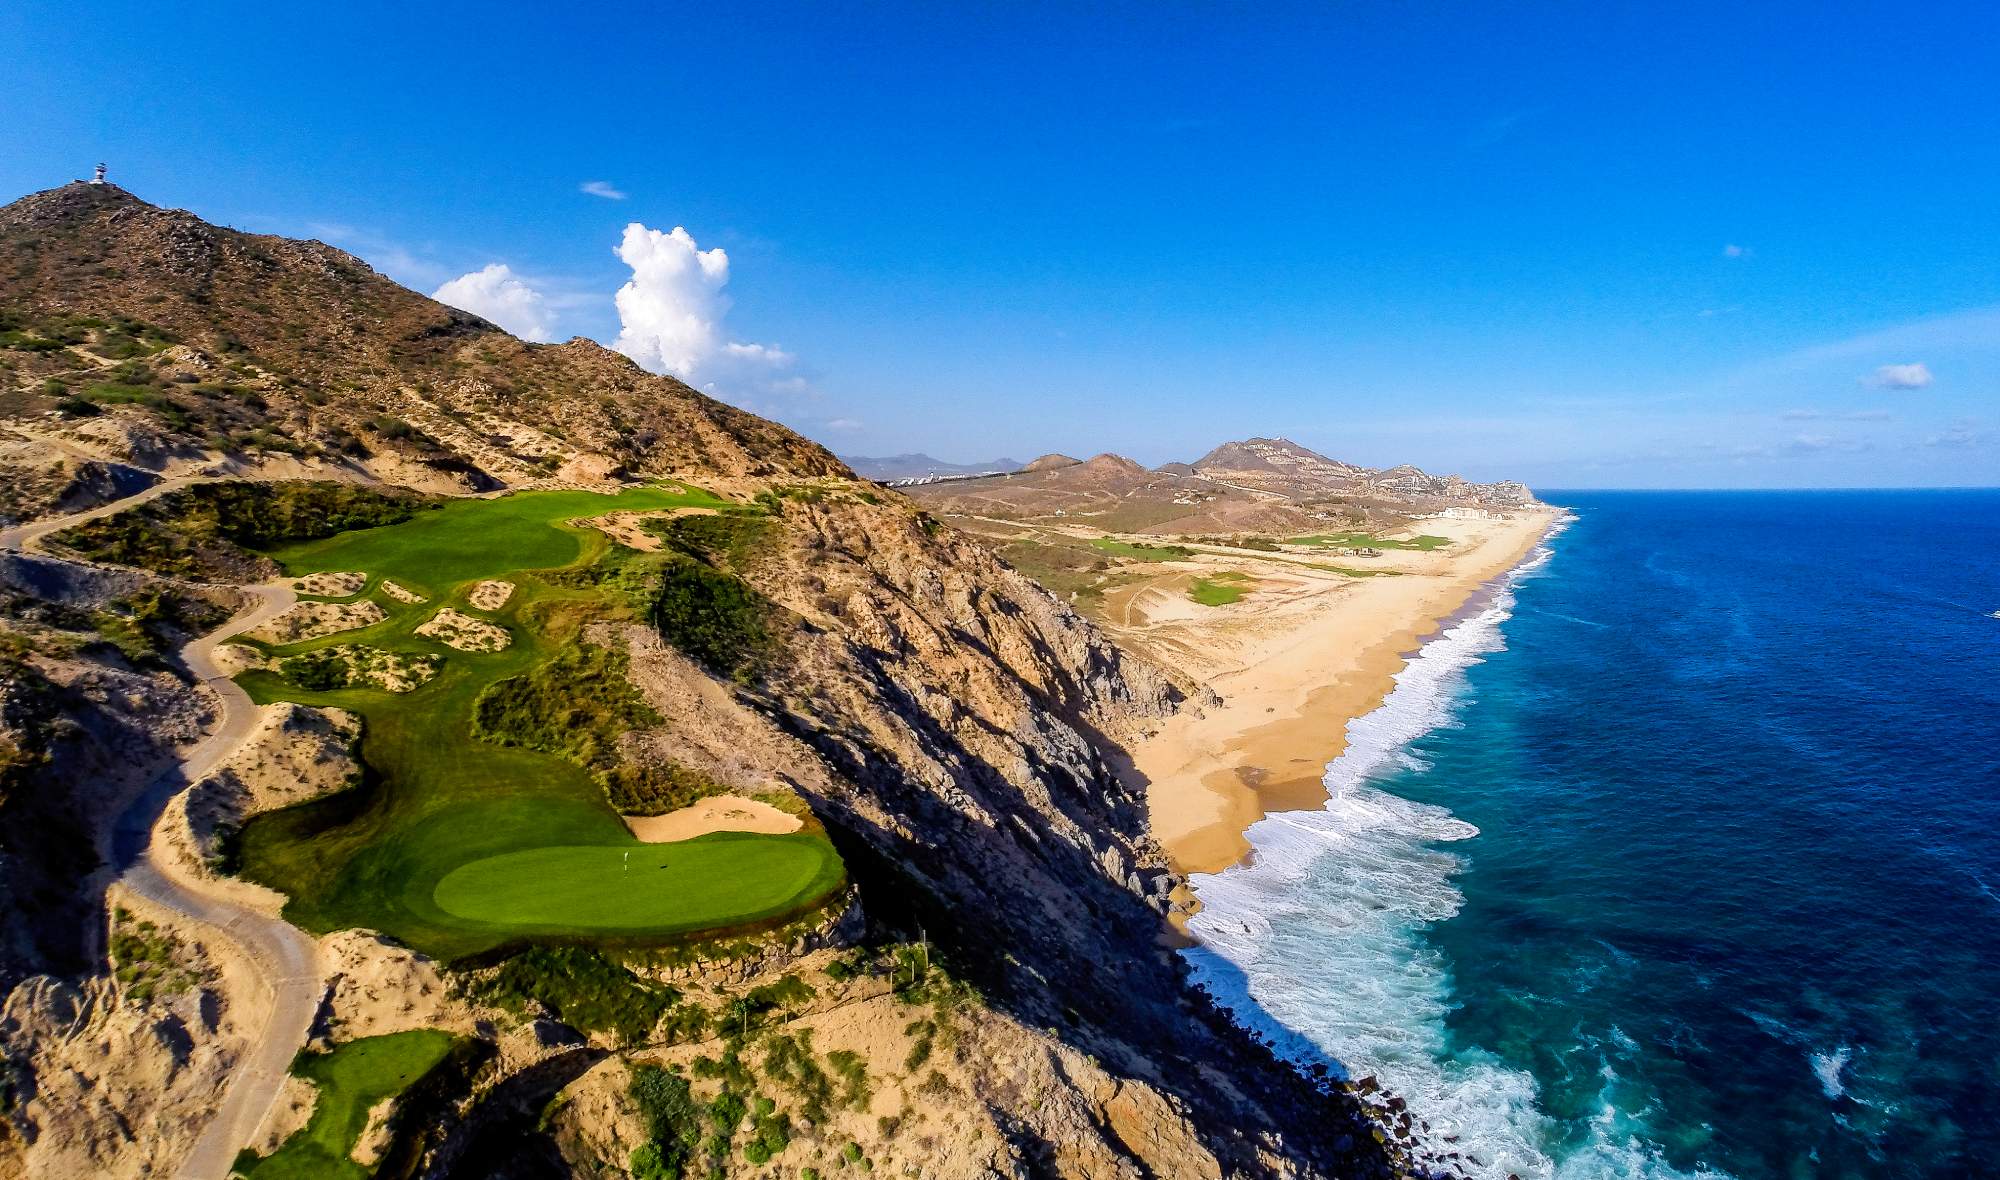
(1679, 855)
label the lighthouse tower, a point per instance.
(99, 178)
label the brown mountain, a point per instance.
(1258, 485)
(945, 718)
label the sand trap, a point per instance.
(717, 813)
(310, 620)
(491, 595)
(400, 593)
(464, 632)
(332, 585)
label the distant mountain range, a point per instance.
(1253, 485)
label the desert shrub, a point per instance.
(580, 986)
(576, 705)
(655, 788)
(673, 1122)
(733, 539)
(714, 618)
(206, 528)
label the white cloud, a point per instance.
(1732, 250)
(1961, 434)
(1855, 416)
(843, 424)
(601, 188)
(671, 311)
(1914, 375)
(500, 295)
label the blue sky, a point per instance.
(1582, 245)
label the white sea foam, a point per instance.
(1319, 942)
(1827, 1067)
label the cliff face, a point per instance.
(945, 716)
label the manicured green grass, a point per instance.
(1219, 589)
(1422, 544)
(438, 797)
(468, 539)
(1353, 573)
(350, 1080)
(1142, 552)
(713, 880)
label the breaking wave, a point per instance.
(1320, 943)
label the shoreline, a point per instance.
(1291, 684)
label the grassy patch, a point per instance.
(1139, 552)
(730, 539)
(1422, 544)
(1219, 589)
(1351, 572)
(655, 788)
(350, 1080)
(576, 704)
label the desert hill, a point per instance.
(1258, 485)
(990, 983)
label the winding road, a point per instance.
(287, 958)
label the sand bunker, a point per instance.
(491, 595)
(717, 813)
(400, 593)
(332, 585)
(462, 631)
(310, 620)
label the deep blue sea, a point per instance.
(1678, 855)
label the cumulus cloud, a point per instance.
(1915, 375)
(671, 311)
(601, 188)
(1732, 250)
(500, 295)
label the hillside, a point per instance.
(446, 714)
(1260, 485)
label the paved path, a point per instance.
(287, 958)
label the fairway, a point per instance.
(349, 1081)
(469, 539)
(697, 883)
(457, 844)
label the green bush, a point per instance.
(714, 618)
(577, 705)
(655, 788)
(581, 988)
(673, 1122)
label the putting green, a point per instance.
(717, 879)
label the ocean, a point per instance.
(1677, 854)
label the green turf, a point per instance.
(1139, 552)
(1352, 572)
(717, 879)
(350, 1080)
(1219, 589)
(437, 797)
(1422, 544)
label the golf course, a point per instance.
(460, 838)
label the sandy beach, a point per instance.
(1305, 652)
